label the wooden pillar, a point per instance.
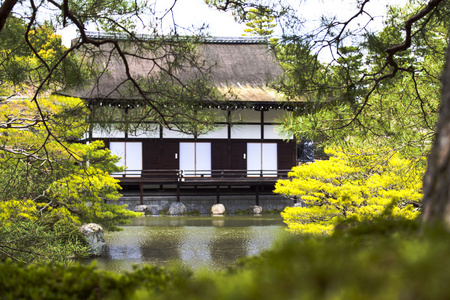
(178, 192)
(141, 189)
(91, 120)
(262, 124)
(218, 194)
(257, 194)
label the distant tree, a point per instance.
(260, 22)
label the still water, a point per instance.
(197, 242)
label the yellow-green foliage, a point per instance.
(351, 187)
(66, 180)
(13, 211)
(46, 179)
(24, 61)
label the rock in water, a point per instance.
(94, 236)
(143, 209)
(177, 208)
(300, 204)
(255, 210)
(218, 209)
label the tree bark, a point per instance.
(5, 10)
(436, 183)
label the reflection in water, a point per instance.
(229, 245)
(260, 238)
(214, 242)
(194, 245)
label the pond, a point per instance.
(197, 242)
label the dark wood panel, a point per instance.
(151, 154)
(169, 154)
(220, 155)
(238, 149)
(286, 155)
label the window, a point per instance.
(130, 154)
(195, 159)
(262, 159)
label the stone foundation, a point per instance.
(202, 204)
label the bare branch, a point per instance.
(391, 51)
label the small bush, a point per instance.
(50, 281)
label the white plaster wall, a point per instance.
(246, 115)
(153, 132)
(220, 132)
(172, 134)
(271, 133)
(246, 132)
(102, 133)
(274, 115)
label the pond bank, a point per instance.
(203, 204)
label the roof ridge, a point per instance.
(208, 39)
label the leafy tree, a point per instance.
(36, 64)
(47, 180)
(39, 161)
(73, 180)
(346, 102)
(351, 187)
(406, 57)
(27, 60)
(29, 237)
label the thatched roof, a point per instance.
(242, 67)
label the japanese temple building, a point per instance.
(243, 154)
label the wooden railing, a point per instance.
(183, 175)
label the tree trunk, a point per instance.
(5, 11)
(436, 183)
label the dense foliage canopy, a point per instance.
(360, 97)
(47, 180)
(377, 260)
(351, 187)
(373, 99)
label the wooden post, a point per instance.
(218, 194)
(178, 192)
(257, 195)
(141, 188)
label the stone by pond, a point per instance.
(94, 235)
(202, 241)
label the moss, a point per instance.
(194, 212)
(164, 212)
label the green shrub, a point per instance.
(377, 259)
(32, 241)
(352, 187)
(56, 281)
